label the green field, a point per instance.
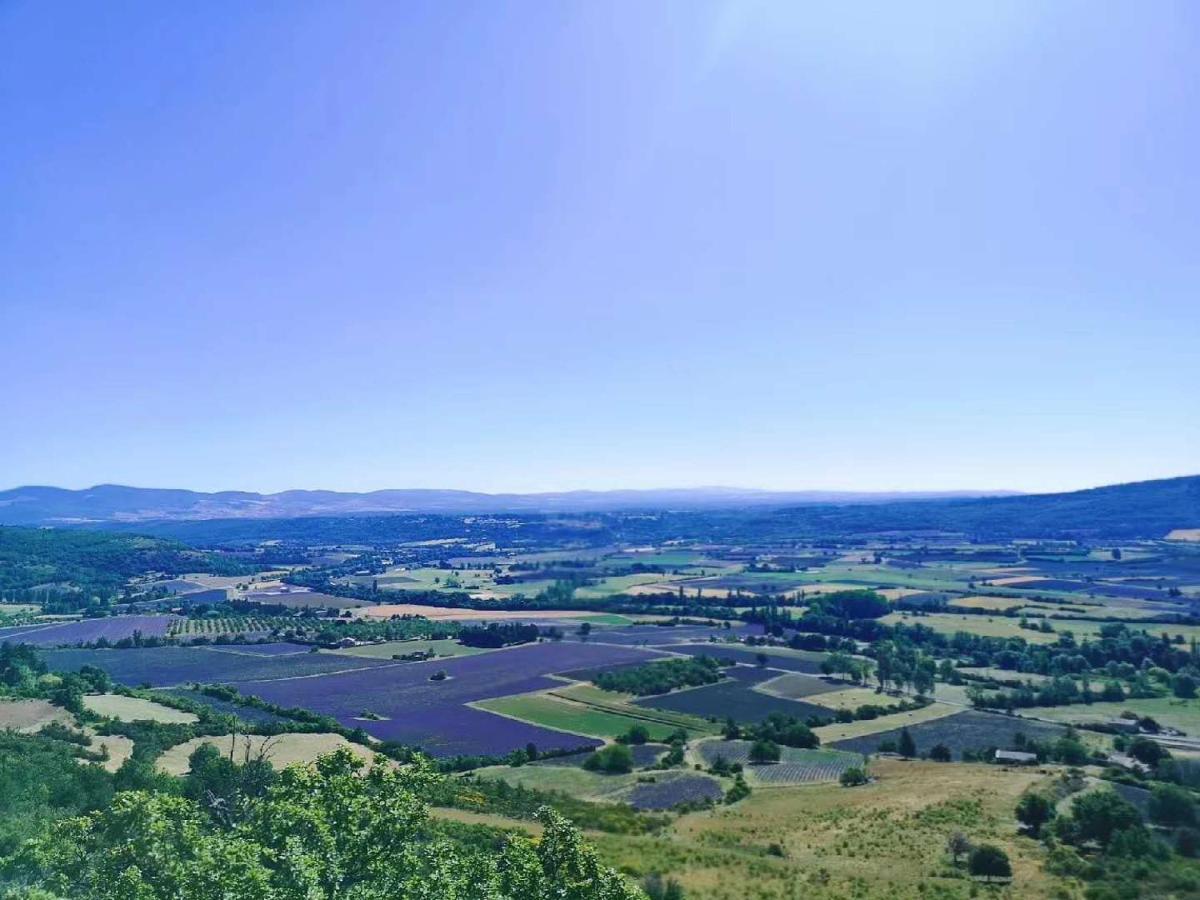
(1170, 712)
(577, 718)
(619, 704)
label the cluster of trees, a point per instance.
(89, 569)
(321, 832)
(777, 728)
(1104, 838)
(661, 677)
(498, 634)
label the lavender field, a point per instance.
(66, 634)
(166, 666)
(433, 714)
(967, 730)
(734, 697)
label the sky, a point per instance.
(542, 246)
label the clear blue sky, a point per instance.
(540, 245)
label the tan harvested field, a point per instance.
(1184, 534)
(1017, 581)
(283, 749)
(134, 709)
(843, 731)
(30, 715)
(852, 698)
(985, 626)
(896, 593)
(996, 604)
(120, 748)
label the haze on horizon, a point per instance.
(598, 246)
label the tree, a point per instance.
(1034, 811)
(325, 830)
(1183, 685)
(637, 734)
(1147, 751)
(958, 846)
(762, 751)
(1097, 815)
(989, 861)
(906, 746)
(940, 753)
(615, 759)
(1172, 806)
(854, 776)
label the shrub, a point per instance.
(615, 759)
(854, 776)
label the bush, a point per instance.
(615, 759)
(638, 734)
(854, 776)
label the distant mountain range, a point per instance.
(107, 503)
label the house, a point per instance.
(1124, 726)
(1016, 757)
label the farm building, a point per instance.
(1016, 757)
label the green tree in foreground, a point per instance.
(906, 745)
(329, 831)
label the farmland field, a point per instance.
(830, 734)
(247, 714)
(1170, 712)
(433, 714)
(985, 626)
(796, 766)
(163, 666)
(223, 625)
(777, 657)
(852, 698)
(388, 649)
(65, 634)
(798, 686)
(30, 715)
(133, 709)
(881, 841)
(669, 789)
(967, 730)
(552, 712)
(282, 749)
(276, 648)
(734, 698)
(622, 704)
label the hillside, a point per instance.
(36, 505)
(1147, 509)
(94, 562)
